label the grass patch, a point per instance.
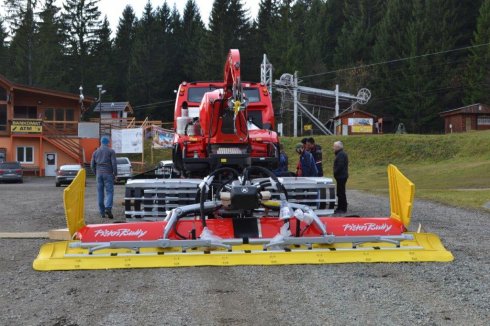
(452, 169)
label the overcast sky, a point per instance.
(114, 8)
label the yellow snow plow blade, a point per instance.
(425, 247)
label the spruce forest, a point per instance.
(418, 57)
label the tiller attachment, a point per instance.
(236, 222)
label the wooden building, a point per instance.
(39, 127)
(114, 110)
(355, 122)
(467, 118)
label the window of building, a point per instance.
(51, 114)
(3, 117)
(25, 112)
(59, 115)
(484, 120)
(25, 154)
(3, 94)
(69, 115)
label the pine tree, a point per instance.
(266, 19)
(164, 62)
(259, 37)
(192, 33)
(477, 77)
(229, 27)
(315, 38)
(101, 59)
(123, 49)
(215, 44)
(334, 20)
(284, 49)
(4, 58)
(356, 40)
(49, 58)
(21, 18)
(424, 80)
(389, 46)
(358, 32)
(241, 39)
(175, 56)
(145, 61)
(82, 19)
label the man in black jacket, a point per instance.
(316, 151)
(341, 174)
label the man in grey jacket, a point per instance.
(104, 166)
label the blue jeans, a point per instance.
(105, 181)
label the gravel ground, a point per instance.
(454, 293)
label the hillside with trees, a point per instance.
(417, 57)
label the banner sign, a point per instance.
(162, 138)
(361, 129)
(127, 141)
(360, 121)
(361, 125)
(27, 126)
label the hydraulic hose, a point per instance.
(265, 171)
(203, 191)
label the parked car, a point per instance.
(166, 170)
(124, 169)
(66, 174)
(11, 171)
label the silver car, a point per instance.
(11, 171)
(66, 174)
(124, 169)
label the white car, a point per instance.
(124, 169)
(166, 170)
(66, 173)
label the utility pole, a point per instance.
(82, 107)
(336, 107)
(295, 103)
(266, 74)
(101, 92)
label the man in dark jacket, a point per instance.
(104, 165)
(341, 174)
(306, 165)
(316, 151)
(282, 167)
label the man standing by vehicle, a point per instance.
(316, 151)
(104, 165)
(341, 174)
(306, 165)
(282, 167)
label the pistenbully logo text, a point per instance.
(119, 233)
(367, 227)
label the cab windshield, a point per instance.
(195, 94)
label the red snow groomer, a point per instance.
(229, 123)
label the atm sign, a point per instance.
(26, 126)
